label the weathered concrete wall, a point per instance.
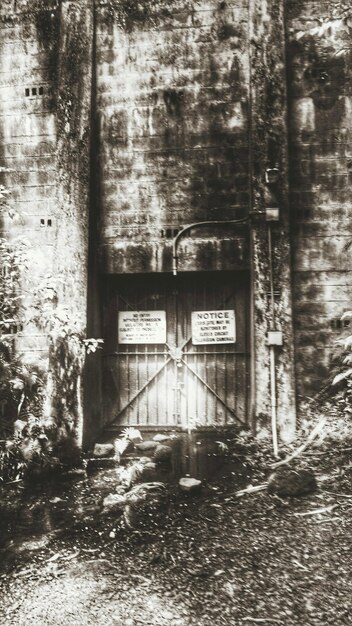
(28, 61)
(320, 98)
(45, 107)
(182, 105)
(73, 158)
(268, 151)
(172, 96)
(186, 105)
(192, 106)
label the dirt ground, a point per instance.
(216, 559)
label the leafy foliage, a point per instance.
(343, 378)
(38, 410)
(24, 440)
(24, 432)
(13, 263)
(68, 346)
(128, 435)
(336, 23)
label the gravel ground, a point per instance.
(215, 560)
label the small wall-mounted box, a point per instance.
(272, 214)
(272, 175)
(275, 338)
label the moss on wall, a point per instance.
(75, 44)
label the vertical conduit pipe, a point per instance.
(272, 352)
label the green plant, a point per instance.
(68, 347)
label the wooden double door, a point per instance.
(196, 374)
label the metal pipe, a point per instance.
(271, 276)
(197, 225)
(273, 401)
(272, 352)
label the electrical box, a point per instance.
(272, 175)
(272, 214)
(275, 338)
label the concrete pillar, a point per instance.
(73, 183)
(268, 139)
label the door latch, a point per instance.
(176, 354)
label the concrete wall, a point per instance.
(45, 65)
(273, 396)
(320, 100)
(124, 124)
(172, 100)
(28, 65)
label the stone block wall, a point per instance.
(320, 102)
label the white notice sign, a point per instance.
(213, 327)
(142, 327)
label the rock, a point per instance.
(161, 438)
(146, 504)
(190, 485)
(148, 472)
(288, 482)
(114, 502)
(162, 454)
(77, 472)
(120, 490)
(33, 544)
(136, 472)
(144, 446)
(103, 449)
(150, 466)
(167, 615)
(145, 459)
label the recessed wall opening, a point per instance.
(339, 324)
(176, 352)
(46, 222)
(170, 232)
(34, 91)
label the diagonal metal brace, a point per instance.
(139, 392)
(213, 392)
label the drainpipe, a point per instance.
(272, 350)
(274, 336)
